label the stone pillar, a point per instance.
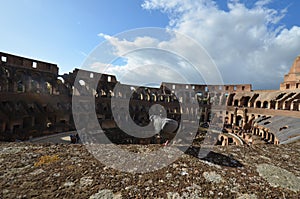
(267, 136)
(245, 117)
(276, 105)
(255, 131)
(234, 119)
(260, 133)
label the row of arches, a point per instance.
(265, 135)
(150, 94)
(291, 104)
(21, 81)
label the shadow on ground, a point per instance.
(213, 157)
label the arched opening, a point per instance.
(252, 100)
(287, 105)
(265, 104)
(272, 104)
(230, 140)
(153, 97)
(34, 86)
(244, 101)
(230, 99)
(296, 105)
(48, 88)
(81, 82)
(272, 138)
(141, 97)
(236, 102)
(239, 119)
(20, 87)
(258, 104)
(221, 140)
(61, 80)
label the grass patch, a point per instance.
(46, 159)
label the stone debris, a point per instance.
(172, 195)
(212, 177)
(37, 172)
(78, 174)
(69, 184)
(86, 181)
(247, 196)
(105, 194)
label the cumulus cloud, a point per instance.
(152, 56)
(247, 43)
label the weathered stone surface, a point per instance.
(105, 194)
(86, 181)
(77, 174)
(278, 177)
(212, 177)
(247, 196)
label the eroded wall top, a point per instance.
(17, 61)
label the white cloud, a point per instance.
(247, 43)
(153, 56)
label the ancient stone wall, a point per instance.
(243, 107)
(36, 100)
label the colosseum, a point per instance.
(36, 101)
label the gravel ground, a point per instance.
(70, 171)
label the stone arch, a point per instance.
(265, 104)
(168, 99)
(244, 101)
(61, 79)
(258, 104)
(296, 105)
(272, 138)
(236, 102)
(148, 98)
(154, 97)
(252, 100)
(141, 96)
(272, 104)
(230, 99)
(287, 105)
(161, 98)
(20, 78)
(20, 86)
(239, 120)
(279, 105)
(6, 72)
(35, 82)
(48, 88)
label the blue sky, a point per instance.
(65, 31)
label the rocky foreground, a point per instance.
(70, 171)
